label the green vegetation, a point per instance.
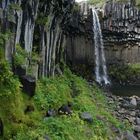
(102, 2)
(20, 56)
(125, 73)
(4, 37)
(14, 6)
(52, 93)
(42, 20)
(97, 2)
(75, 8)
(138, 3)
(10, 98)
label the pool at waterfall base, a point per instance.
(125, 90)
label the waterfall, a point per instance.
(101, 69)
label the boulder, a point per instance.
(129, 136)
(137, 129)
(133, 101)
(51, 113)
(29, 85)
(65, 109)
(138, 121)
(86, 117)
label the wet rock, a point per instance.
(65, 109)
(133, 113)
(117, 138)
(138, 121)
(125, 104)
(20, 71)
(29, 85)
(46, 138)
(133, 101)
(102, 118)
(1, 127)
(51, 113)
(137, 129)
(86, 117)
(138, 135)
(130, 119)
(115, 130)
(129, 136)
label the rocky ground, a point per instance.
(127, 108)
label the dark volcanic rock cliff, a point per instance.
(39, 27)
(120, 23)
(121, 31)
(58, 31)
(79, 44)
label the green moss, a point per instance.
(53, 88)
(53, 93)
(75, 8)
(102, 2)
(10, 98)
(15, 6)
(124, 72)
(4, 37)
(20, 56)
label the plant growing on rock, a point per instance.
(20, 56)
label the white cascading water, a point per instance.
(101, 69)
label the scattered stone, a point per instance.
(137, 129)
(102, 118)
(115, 130)
(86, 117)
(111, 102)
(29, 85)
(138, 135)
(133, 113)
(120, 98)
(117, 138)
(65, 109)
(131, 119)
(138, 121)
(46, 138)
(51, 113)
(129, 136)
(133, 101)
(1, 127)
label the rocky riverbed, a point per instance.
(126, 108)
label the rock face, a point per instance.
(79, 43)
(60, 31)
(38, 27)
(127, 108)
(121, 31)
(133, 101)
(29, 85)
(120, 23)
(129, 136)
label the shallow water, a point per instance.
(127, 90)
